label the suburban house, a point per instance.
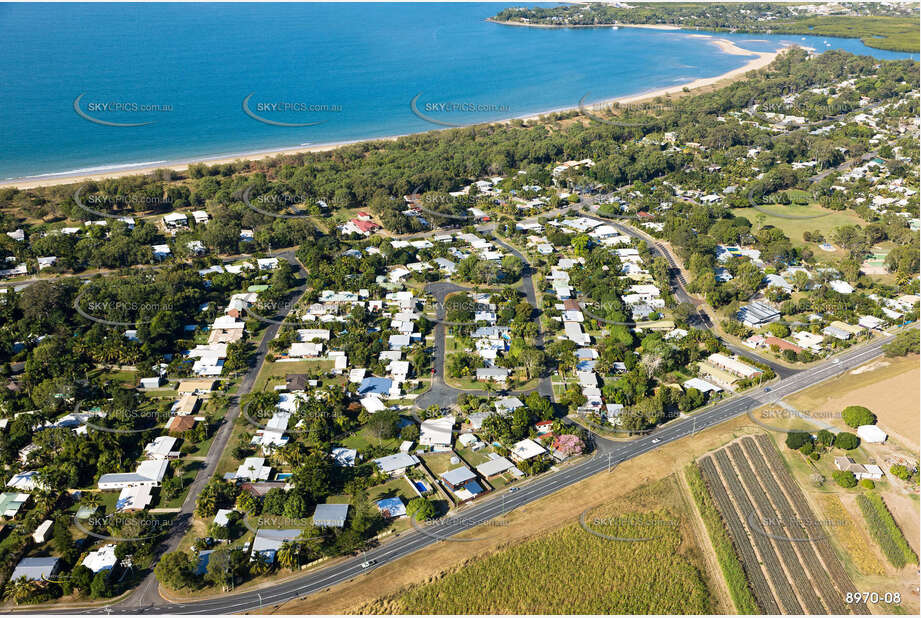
(396, 464)
(861, 471)
(526, 449)
(437, 432)
(37, 569)
(149, 473)
(267, 542)
(103, 559)
(391, 508)
(757, 314)
(494, 467)
(462, 482)
(11, 503)
(492, 374)
(330, 515)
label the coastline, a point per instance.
(761, 60)
(617, 24)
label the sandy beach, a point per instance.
(760, 60)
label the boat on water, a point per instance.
(615, 27)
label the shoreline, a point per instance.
(761, 60)
(616, 24)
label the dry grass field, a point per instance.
(643, 559)
(889, 387)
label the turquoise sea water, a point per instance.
(364, 62)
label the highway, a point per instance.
(608, 454)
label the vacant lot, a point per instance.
(575, 571)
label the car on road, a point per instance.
(368, 564)
(837, 361)
(513, 489)
(656, 440)
(767, 389)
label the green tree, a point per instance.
(845, 478)
(847, 441)
(421, 509)
(796, 439)
(176, 570)
(855, 416)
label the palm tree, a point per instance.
(289, 555)
(19, 589)
(91, 499)
(260, 565)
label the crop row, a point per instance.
(885, 531)
(744, 549)
(794, 529)
(732, 569)
(788, 557)
(772, 564)
(826, 552)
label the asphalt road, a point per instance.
(608, 455)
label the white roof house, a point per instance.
(842, 287)
(149, 473)
(436, 431)
(871, 322)
(702, 385)
(161, 448)
(253, 469)
(494, 467)
(134, 498)
(526, 449)
(175, 219)
(25, 481)
(103, 559)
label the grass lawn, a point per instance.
(362, 439)
(187, 473)
(201, 448)
(794, 228)
(273, 374)
(127, 379)
(439, 463)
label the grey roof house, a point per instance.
(36, 569)
(330, 515)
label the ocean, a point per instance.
(93, 87)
